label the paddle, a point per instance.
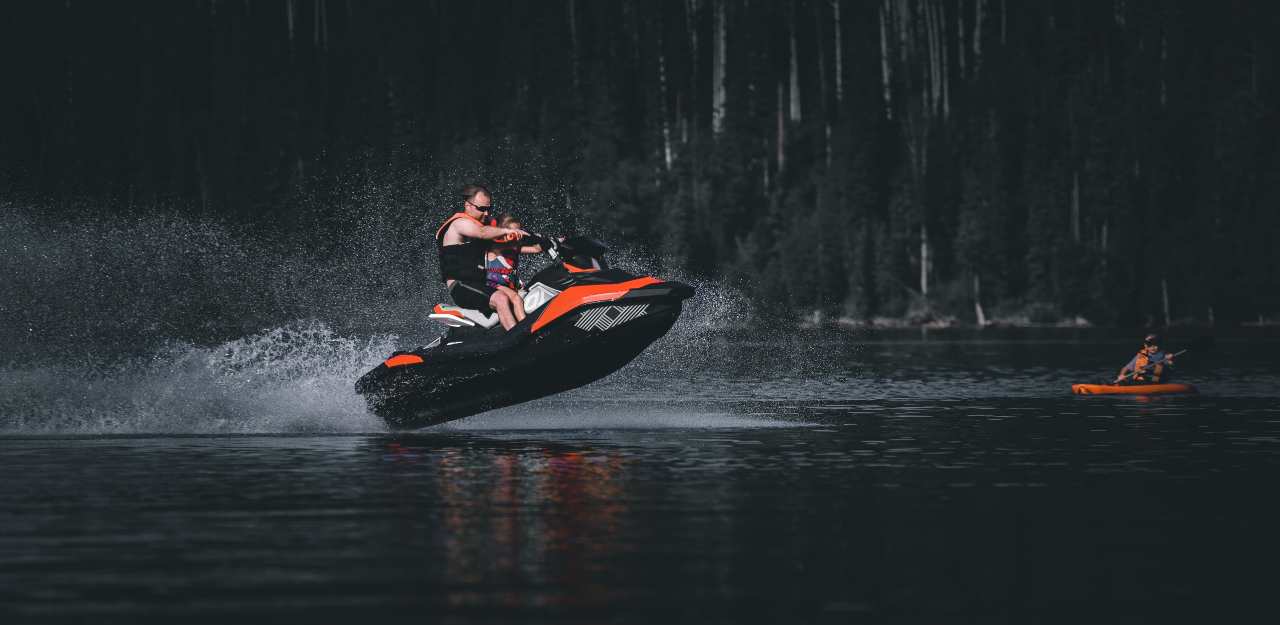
(1200, 344)
(1137, 371)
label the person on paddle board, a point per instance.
(1151, 365)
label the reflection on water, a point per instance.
(513, 518)
(886, 511)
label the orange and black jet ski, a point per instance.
(584, 320)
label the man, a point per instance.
(1149, 366)
(463, 241)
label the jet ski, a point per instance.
(584, 320)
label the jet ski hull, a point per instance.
(463, 380)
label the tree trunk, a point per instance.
(945, 70)
(824, 108)
(690, 115)
(906, 36)
(1164, 296)
(960, 42)
(662, 95)
(1164, 57)
(1104, 244)
(290, 11)
(684, 119)
(885, 76)
(827, 133)
(794, 109)
(835, 5)
(924, 260)
(764, 165)
(717, 71)
(1253, 68)
(1075, 206)
(935, 80)
(824, 94)
(927, 89)
(324, 26)
(782, 133)
(202, 171)
(979, 15)
(573, 42)
(1004, 22)
(977, 301)
(634, 28)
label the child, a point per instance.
(501, 263)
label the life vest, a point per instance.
(500, 270)
(464, 261)
(1144, 359)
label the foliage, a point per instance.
(1069, 157)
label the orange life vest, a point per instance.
(1143, 360)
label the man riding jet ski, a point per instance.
(583, 320)
(463, 241)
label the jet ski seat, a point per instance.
(456, 317)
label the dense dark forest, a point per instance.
(1114, 160)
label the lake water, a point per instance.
(832, 476)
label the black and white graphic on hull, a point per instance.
(609, 316)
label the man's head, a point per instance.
(476, 200)
(1151, 342)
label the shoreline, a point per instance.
(944, 323)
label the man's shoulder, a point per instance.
(449, 227)
(453, 221)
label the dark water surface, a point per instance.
(824, 477)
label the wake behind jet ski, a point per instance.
(584, 320)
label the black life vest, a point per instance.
(464, 261)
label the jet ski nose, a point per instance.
(679, 290)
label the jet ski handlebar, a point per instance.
(581, 251)
(568, 247)
(550, 245)
(578, 250)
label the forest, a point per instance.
(969, 161)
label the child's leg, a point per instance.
(502, 305)
(517, 303)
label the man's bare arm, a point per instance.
(474, 230)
